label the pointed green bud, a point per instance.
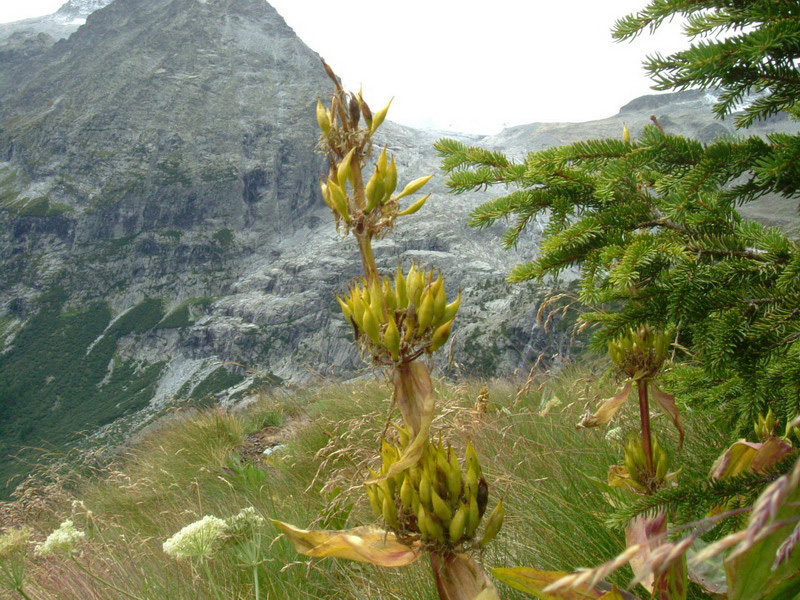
(379, 117)
(390, 513)
(441, 509)
(425, 312)
(440, 336)
(345, 169)
(425, 491)
(390, 183)
(374, 500)
(458, 524)
(493, 525)
(450, 310)
(391, 339)
(400, 289)
(414, 186)
(473, 518)
(323, 118)
(414, 207)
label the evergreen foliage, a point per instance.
(653, 222)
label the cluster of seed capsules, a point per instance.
(641, 352)
(340, 130)
(399, 320)
(435, 499)
(636, 463)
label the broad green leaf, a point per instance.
(608, 409)
(363, 544)
(533, 581)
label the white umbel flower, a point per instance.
(246, 522)
(197, 540)
(62, 540)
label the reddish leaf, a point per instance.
(667, 403)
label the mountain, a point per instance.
(162, 234)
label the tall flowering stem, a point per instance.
(426, 498)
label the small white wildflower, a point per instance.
(197, 540)
(246, 522)
(14, 541)
(61, 540)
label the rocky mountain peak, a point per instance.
(80, 9)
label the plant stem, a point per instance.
(103, 581)
(644, 415)
(367, 258)
(255, 581)
(210, 578)
(22, 593)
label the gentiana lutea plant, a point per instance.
(429, 501)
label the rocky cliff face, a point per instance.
(161, 230)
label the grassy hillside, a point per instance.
(212, 463)
(62, 375)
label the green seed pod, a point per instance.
(359, 307)
(345, 169)
(379, 117)
(425, 313)
(473, 518)
(454, 479)
(400, 289)
(390, 513)
(391, 339)
(441, 509)
(389, 299)
(451, 309)
(373, 193)
(374, 500)
(425, 491)
(439, 301)
(383, 162)
(473, 461)
(323, 118)
(422, 521)
(414, 186)
(458, 524)
(440, 336)
(339, 199)
(390, 183)
(345, 308)
(434, 528)
(493, 525)
(406, 495)
(415, 503)
(414, 207)
(471, 483)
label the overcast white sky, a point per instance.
(470, 65)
